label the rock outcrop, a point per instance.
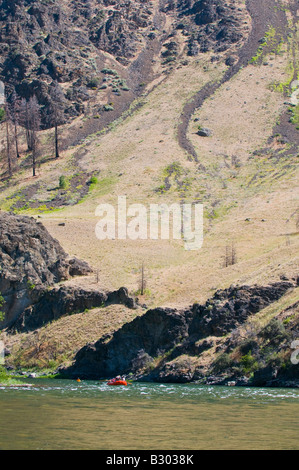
(58, 302)
(30, 261)
(133, 346)
(231, 307)
(39, 44)
(156, 345)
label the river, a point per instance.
(66, 415)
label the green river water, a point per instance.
(66, 415)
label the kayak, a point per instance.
(117, 382)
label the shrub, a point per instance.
(275, 331)
(30, 285)
(108, 107)
(94, 180)
(2, 114)
(107, 71)
(62, 182)
(93, 82)
(2, 314)
(249, 363)
(223, 362)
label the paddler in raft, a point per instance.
(118, 380)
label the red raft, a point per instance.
(117, 382)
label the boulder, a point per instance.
(204, 132)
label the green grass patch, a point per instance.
(269, 43)
(294, 119)
(7, 379)
(2, 302)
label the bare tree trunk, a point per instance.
(35, 122)
(230, 255)
(234, 254)
(56, 113)
(142, 281)
(56, 142)
(33, 162)
(28, 134)
(16, 140)
(15, 112)
(8, 148)
(8, 140)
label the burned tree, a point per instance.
(34, 117)
(15, 117)
(142, 281)
(24, 121)
(56, 113)
(230, 257)
(9, 155)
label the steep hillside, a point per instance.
(244, 173)
(184, 101)
(101, 51)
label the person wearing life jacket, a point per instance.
(116, 379)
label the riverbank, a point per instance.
(242, 336)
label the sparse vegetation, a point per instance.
(2, 114)
(62, 182)
(7, 379)
(2, 314)
(230, 257)
(294, 111)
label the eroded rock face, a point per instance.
(231, 307)
(49, 305)
(171, 335)
(133, 346)
(210, 24)
(31, 260)
(39, 43)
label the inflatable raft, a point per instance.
(117, 382)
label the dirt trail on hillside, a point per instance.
(139, 74)
(263, 14)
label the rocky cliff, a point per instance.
(31, 265)
(168, 345)
(68, 42)
(31, 261)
